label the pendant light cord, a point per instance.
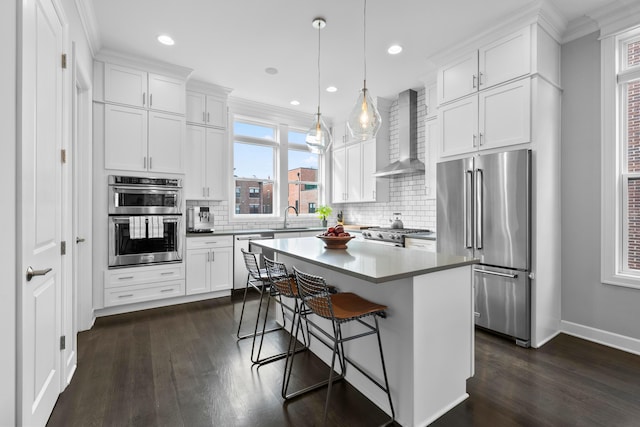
(319, 29)
(364, 43)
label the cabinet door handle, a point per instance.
(150, 100)
(125, 296)
(125, 278)
(481, 136)
(213, 256)
(208, 191)
(150, 162)
(474, 139)
(167, 273)
(474, 81)
(144, 161)
(208, 117)
(144, 98)
(167, 290)
(479, 79)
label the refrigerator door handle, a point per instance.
(496, 273)
(479, 207)
(468, 203)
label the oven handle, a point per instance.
(138, 190)
(125, 219)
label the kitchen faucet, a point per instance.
(286, 212)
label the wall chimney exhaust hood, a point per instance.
(408, 138)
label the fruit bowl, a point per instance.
(335, 242)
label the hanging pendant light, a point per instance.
(318, 137)
(364, 120)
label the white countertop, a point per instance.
(366, 260)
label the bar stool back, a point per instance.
(340, 308)
(258, 279)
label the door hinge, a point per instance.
(63, 342)
(64, 60)
(63, 248)
(63, 155)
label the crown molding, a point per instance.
(617, 16)
(124, 59)
(89, 24)
(259, 110)
(206, 87)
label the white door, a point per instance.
(369, 181)
(216, 165)
(166, 142)
(220, 275)
(40, 212)
(354, 172)
(339, 175)
(195, 163)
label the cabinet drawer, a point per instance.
(425, 245)
(142, 293)
(209, 242)
(142, 275)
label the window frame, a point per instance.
(283, 121)
(615, 176)
(302, 147)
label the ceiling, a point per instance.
(231, 43)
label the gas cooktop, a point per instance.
(394, 235)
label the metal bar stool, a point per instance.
(340, 308)
(258, 279)
(281, 283)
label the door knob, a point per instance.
(79, 239)
(31, 272)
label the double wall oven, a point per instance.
(145, 221)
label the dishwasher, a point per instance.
(243, 241)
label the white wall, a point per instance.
(8, 215)
(586, 302)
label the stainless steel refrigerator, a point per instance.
(484, 211)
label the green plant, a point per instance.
(323, 211)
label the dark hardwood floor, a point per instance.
(182, 366)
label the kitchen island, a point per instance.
(427, 336)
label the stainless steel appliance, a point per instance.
(199, 219)
(130, 195)
(145, 221)
(483, 211)
(389, 235)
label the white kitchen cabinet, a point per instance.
(497, 117)
(339, 175)
(140, 284)
(421, 244)
(368, 166)
(140, 140)
(207, 110)
(209, 264)
(503, 60)
(166, 143)
(340, 134)
(125, 137)
(138, 88)
(353, 155)
(206, 161)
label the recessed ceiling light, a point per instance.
(271, 70)
(395, 49)
(332, 89)
(166, 40)
(294, 102)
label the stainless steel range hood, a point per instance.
(408, 137)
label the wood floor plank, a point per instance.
(182, 366)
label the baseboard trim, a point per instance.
(546, 339)
(610, 339)
(444, 410)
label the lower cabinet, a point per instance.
(140, 284)
(209, 264)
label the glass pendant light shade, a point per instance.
(364, 119)
(318, 137)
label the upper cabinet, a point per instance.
(138, 88)
(505, 59)
(206, 110)
(207, 104)
(143, 115)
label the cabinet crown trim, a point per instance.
(144, 64)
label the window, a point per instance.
(254, 153)
(621, 160)
(302, 174)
